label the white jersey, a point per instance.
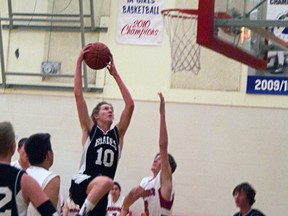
(43, 177)
(72, 209)
(16, 164)
(154, 203)
(114, 208)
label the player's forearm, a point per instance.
(128, 201)
(125, 208)
(124, 212)
(124, 91)
(132, 196)
(78, 78)
(163, 137)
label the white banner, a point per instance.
(278, 10)
(140, 22)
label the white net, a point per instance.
(181, 27)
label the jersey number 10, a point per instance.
(106, 158)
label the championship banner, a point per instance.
(274, 80)
(140, 22)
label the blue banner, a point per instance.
(267, 85)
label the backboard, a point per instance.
(241, 30)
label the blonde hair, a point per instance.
(97, 109)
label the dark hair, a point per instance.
(248, 190)
(97, 109)
(7, 137)
(22, 142)
(118, 185)
(37, 147)
(172, 162)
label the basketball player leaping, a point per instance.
(157, 190)
(101, 145)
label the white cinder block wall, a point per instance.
(216, 148)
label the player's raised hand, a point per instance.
(162, 103)
(111, 67)
(84, 50)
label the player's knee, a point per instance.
(102, 181)
(108, 183)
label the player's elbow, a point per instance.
(77, 93)
(163, 145)
(131, 105)
(136, 193)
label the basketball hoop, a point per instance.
(181, 27)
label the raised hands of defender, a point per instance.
(162, 103)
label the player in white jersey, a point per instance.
(115, 201)
(154, 202)
(70, 208)
(22, 162)
(39, 152)
(17, 188)
(157, 190)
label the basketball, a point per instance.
(98, 56)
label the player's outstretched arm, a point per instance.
(127, 112)
(33, 193)
(131, 197)
(166, 173)
(83, 114)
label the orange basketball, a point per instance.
(98, 56)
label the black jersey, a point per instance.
(99, 158)
(253, 212)
(11, 201)
(101, 153)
